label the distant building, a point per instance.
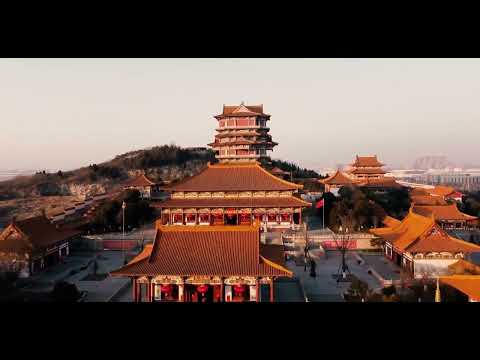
(366, 171)
(367, 168)
(148, 189)
(336, 181)
(31, 245)
(242, 134)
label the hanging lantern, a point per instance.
(166, 288)
(238, 289)
(202, 289)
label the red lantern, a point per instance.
(239, 289)
(202, 289)
(166, 288)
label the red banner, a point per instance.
(320, 204)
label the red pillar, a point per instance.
(134, 290)
(222, 295)
(300, 217)
(149, 290)
(271, 291)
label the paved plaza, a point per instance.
(324, 287)
(75, 268)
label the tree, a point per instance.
(342, 239)
(65, 292)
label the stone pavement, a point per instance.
(76, 267)
(324, 287)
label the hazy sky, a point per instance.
(65, 113)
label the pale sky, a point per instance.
(66, 113)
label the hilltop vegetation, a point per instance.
(109, 174)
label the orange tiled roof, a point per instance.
(442, 212)
(234, 177)
(420, 234)
(468, 284)
(369, 161)
(441, 190)
(35, 233)
(140, 180)
(339, 178)
(250, 202)
(389, 221)
(427, 200)
(418, 191)
(208, 251)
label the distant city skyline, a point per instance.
(67, 113)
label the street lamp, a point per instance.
(124, 206)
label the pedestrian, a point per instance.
(313, 265)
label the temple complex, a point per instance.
(30, 245)
(233, 194)
(242, 134)
(420, 246)
(206, 264)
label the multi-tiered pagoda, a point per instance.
(242, 134)
(367, 168)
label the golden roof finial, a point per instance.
(437, 292)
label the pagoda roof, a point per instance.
(360, 170)
(234, 177)
(420, 234)
(140, 180)
(247, 202)
(339, 178)
(419, 191)
(442, 212)
(386, 182)
(467, 284)
(32, 233)
(368, 161)
(208, 251)
(242, 110)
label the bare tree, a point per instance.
(342, 238)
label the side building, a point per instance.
(30, 245)
(420, 246)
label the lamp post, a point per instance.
(124, 206)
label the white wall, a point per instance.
(432, 267)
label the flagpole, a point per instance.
(323, 214)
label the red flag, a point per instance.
(320, 204)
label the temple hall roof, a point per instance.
(208, 251)
(467, 284)
(247, 202)
(234, 177)
(420, 234)
(339, 178)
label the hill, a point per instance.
(167, 162)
